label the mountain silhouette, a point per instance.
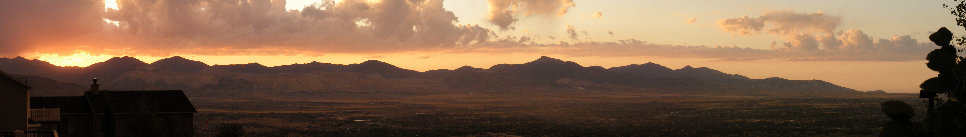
(114, 67)
(312, 67)
(243, 68)
(647, 69)
(708, 74)
(118, 64)
(381, 68)
(42, 86)
(179, 64)
(20, 65)
(544, 69)
(543, 74)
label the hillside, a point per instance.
(543, 74)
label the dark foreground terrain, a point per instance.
(543, 97)
(544, 114)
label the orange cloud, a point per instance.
(687, 20)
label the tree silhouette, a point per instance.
(944, 61)
(901, 124)
(948, 118)
(946, 115)
(960, 12)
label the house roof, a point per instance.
(142, 101)
(4, 77)
(67, 104)
(119, 102)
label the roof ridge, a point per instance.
(21, 83)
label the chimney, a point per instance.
(95, 88)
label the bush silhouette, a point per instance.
(901, 124)
(946, 115)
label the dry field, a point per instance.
(544, 114)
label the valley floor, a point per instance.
(544, 114)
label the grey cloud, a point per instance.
(245, 27)
(811, 36)
(633, 47)
(26, 23)
(742, 25)
(572, 32)
(784, 23)
(898, 48)
(504, 13)
(789, 22)
(163, 27)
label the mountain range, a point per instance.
(543, 74)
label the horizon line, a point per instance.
(317, 61)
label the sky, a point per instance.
(860, 44)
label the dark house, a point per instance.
(121, 114)
(13, 105)
(98, 113)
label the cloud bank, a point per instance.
(265, 27)
(218, 26)
(814, 36)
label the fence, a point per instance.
(45, 114)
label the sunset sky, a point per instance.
(860, 44)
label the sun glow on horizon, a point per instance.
(82, 58)
(79, 58)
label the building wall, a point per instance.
(163, 125)
(181, 125)
(13, 107)
(76, 126)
